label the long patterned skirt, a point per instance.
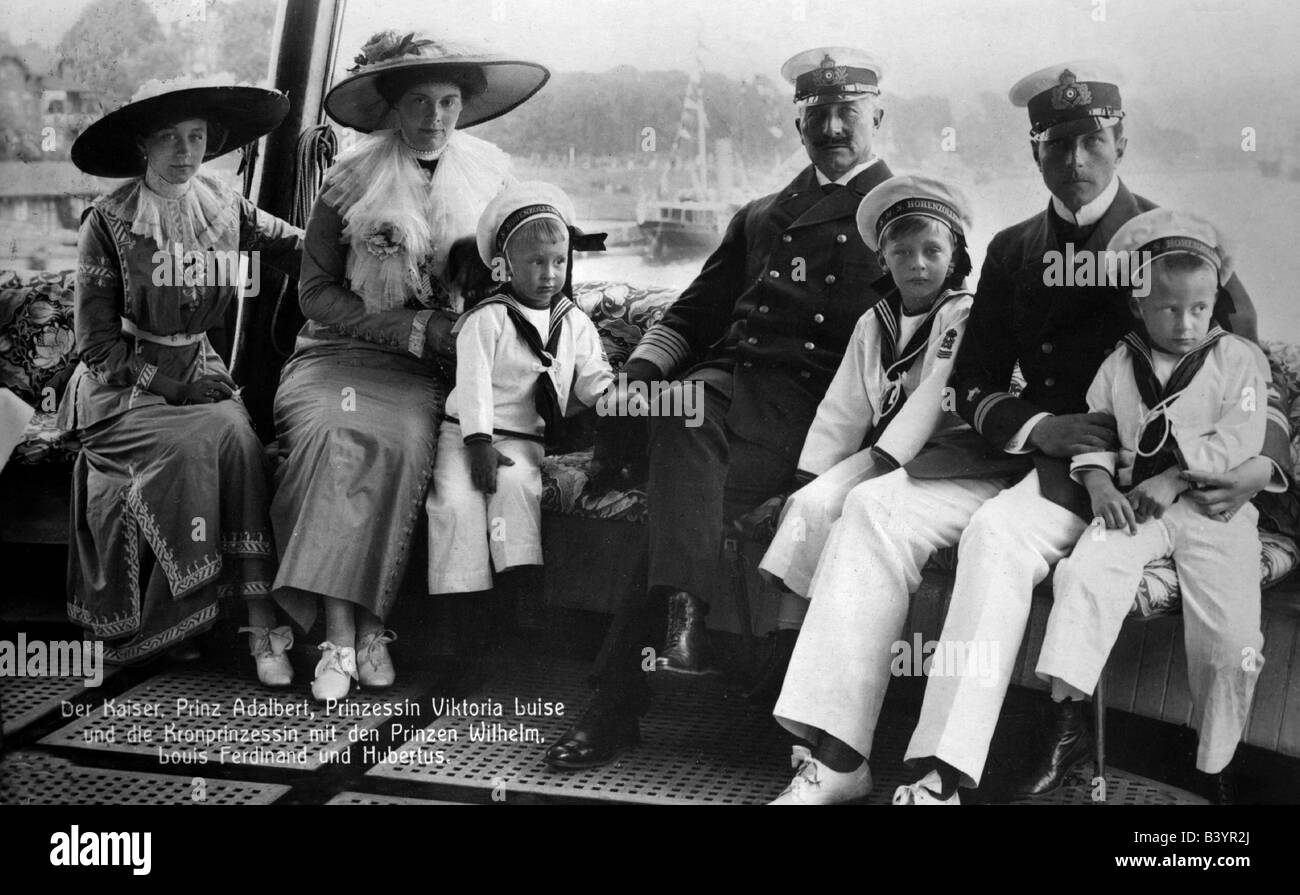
(358, 429)
(169, 515)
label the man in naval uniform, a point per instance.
(1005, 495)
(760, 332)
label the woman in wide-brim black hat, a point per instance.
(170, 489)
(359, 402)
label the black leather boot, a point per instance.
(1070, 745)
(686, 643)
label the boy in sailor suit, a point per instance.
(524, 355)
(889, 391)
(1185, 396)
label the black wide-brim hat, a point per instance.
(110, 146)
(356, 102)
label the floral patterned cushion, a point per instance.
(564, 480)
(37, 344)
(1158, 593)
(37, 355)
(1285, 360)
(622, 314)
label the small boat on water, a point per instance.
(694, 219)
(684, 225)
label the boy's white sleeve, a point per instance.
(846, 412)
(591, 371)
(1101, 399)
(1238, 434)
(476, 346)
(925, 408)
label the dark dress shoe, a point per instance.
(765, 686)
(601, 734)
(686, 643)
(1070, 745)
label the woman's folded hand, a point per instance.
(206, 390)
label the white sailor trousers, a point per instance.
(859, 596)
(807, 517)
(470, 532)
(1010, 545)
(1218, 576)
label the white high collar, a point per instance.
(164, 188)
(1092, 212)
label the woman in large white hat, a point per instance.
(170, 490)
(359, 402)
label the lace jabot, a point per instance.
(194, 217)
(398, 220)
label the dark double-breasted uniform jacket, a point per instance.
(1059, 335)
(775, 304)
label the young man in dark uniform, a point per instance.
(760, 332)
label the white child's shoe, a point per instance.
(335, 671)
(925, 792)
(374, 665)
(268, 647)
(816, 784)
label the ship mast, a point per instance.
(704, 146)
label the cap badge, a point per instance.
(832, 74)
(1069, 93)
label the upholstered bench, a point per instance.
(589, 537)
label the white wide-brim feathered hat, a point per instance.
(491, 84)
(236, 116)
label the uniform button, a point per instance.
(774, 274)
(1049, 381)
(841, 239)
(809, 346)
(753, 340)
(787, 238)
(819, 318)
(763, 309)
(1047, 348)
(830, 279)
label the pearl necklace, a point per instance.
(424, 155)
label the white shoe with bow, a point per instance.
(816, 784)
(268, 647)
(925, 792)
(335, 672)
